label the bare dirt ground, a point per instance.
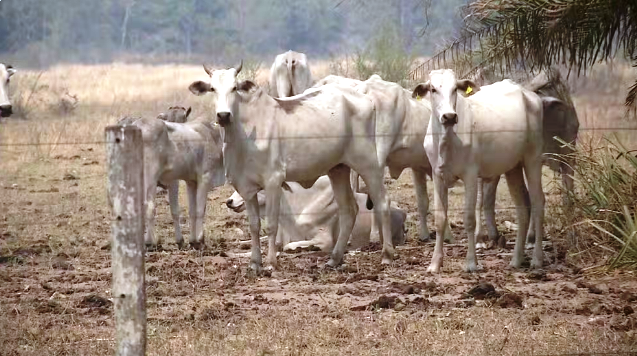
(55, 286)
(55, 276)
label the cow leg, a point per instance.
(202, 197)
(480, 233)
(192, 212)
(273, 193)
(347, 210)
(420, 183)
(567, 184)
(490, 188)
(530, 235)
(252, 207)
(151, 191)
(471, 193)
(515, 182)
(376, 191)
(173, 200)
(440, 217)
(533, 171)
(355, 181)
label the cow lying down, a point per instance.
(191, 152)
(309, 217)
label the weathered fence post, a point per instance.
(124, 159)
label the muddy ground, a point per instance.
(55, 285)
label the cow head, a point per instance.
(224, 87)
(6, 71)
(176, 114)
(237, 204)
(443, 88)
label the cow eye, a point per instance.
(433, 90)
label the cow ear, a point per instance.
(162, 116)
(11, 71)
(551, 103)
(199, 87)
(188, 111)
(467, 87)
(246, 86)
(421, 90)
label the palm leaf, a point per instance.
(531, 35)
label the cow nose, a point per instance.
(229, 203)
(223, 118)
(6, 110)
(450, 119)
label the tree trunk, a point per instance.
(125, 25)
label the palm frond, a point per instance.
(508, 35)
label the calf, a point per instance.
(191, 152)
(6, 71)
(177, 114)
(309, 217)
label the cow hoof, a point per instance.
(472, 267)
(180, 245)
(150, 247)
(386, 261)
(256, 268)
(502, 242)
(514, 265)
(197, 245)
(433, 269)
(332, 263)
(426, 238)
(536, 264)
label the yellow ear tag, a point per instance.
(469, 90)
(418, 97)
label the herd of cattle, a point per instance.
(295, 155)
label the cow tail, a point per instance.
(370, 203)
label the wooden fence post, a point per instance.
(124, 159)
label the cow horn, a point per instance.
(207, 69)
(239, 67)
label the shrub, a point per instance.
(606, 177)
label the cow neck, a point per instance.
(443, 141)
(254, 111)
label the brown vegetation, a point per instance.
(55, 262)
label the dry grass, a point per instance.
(54, 232)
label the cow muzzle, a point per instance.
(237, 208)
(449, 119)
(223, 118)
(6, 110)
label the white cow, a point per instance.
(6, 71)
(177, 114)
(270, 141)
(289, 75)
(191, 152)
(401, 126)
(309, 217)
(559, 120)
(497, 130)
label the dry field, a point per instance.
(55, 259)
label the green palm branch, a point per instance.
(508, 35)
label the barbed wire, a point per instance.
(68, 221)
(320, 137)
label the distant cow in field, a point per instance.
(6, 71)
(177, 114)
(191, 152)
(289, 75)
(309, 217)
